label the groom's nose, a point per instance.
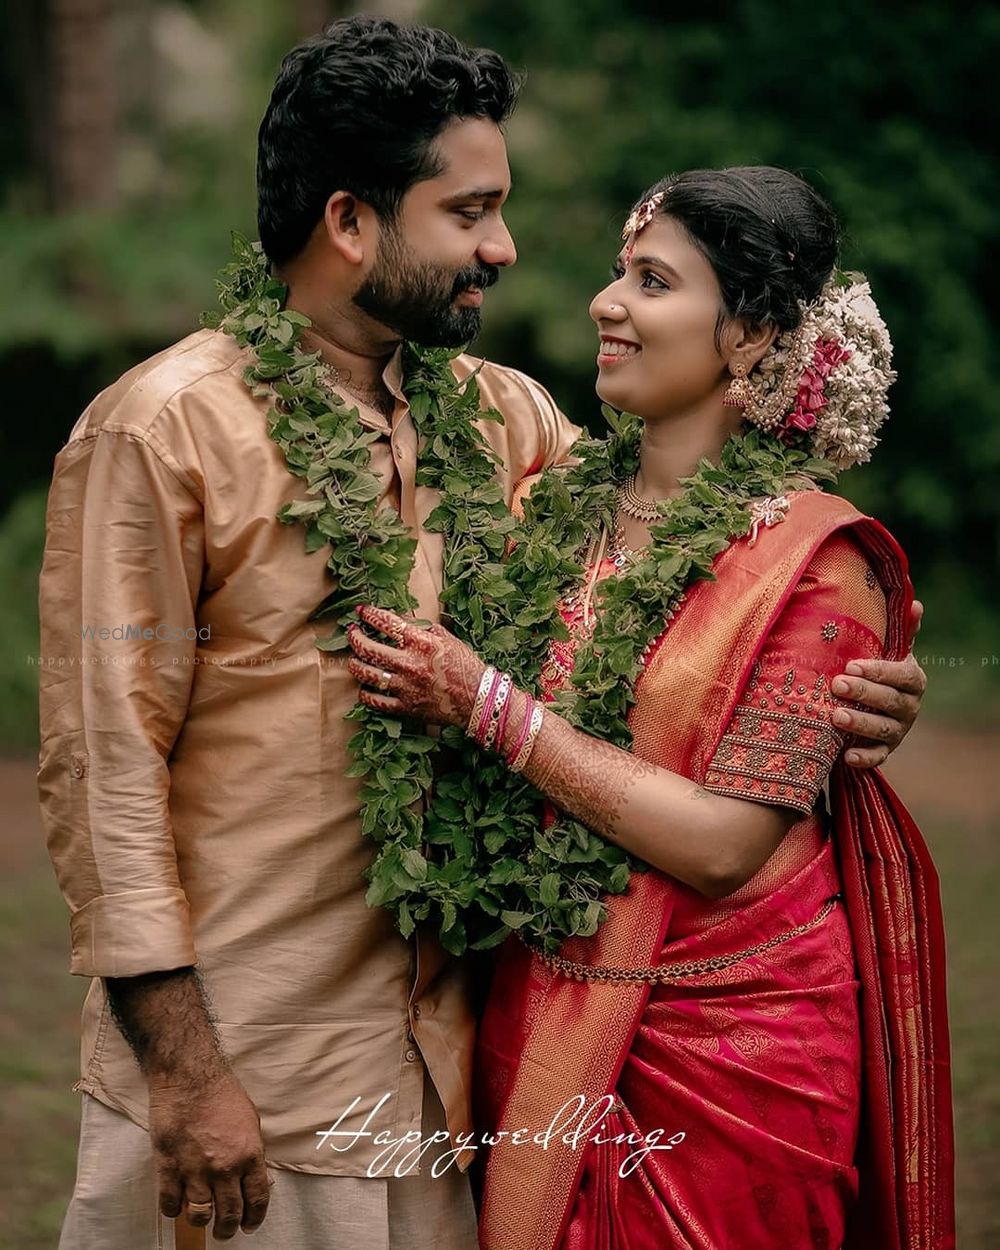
(497, 248)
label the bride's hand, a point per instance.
(427, 674)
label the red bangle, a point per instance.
(512, 755)
(502, 724)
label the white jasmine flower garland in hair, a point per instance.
(823, 385)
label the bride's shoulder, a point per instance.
(810, 505)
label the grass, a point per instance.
(38, 1061)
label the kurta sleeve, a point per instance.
(118, 594)
(558, 434)
(780, 743)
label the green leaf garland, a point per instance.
(460, 844)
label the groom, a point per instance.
(192, 772)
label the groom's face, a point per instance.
(447, 244)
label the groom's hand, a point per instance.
(205, 1131)
(209, 1153)
(891, 692)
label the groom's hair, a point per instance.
(357, 108)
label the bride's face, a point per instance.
(657, 322)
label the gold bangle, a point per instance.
(482, 694)
(537, 716)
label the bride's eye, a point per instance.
(617, 270)
(653, 282)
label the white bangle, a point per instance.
(482, 694)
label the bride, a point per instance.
(770, 996)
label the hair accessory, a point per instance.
(638, 219)
(828, 378)
(642, 214)
(739, 393)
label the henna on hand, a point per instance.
(714, 844)
(430, 674)
(711, 842)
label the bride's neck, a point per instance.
(671, 448)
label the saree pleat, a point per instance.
(666, 1055)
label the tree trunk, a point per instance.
(82, 130)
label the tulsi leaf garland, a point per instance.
(477, 862)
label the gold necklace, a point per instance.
(634, 505)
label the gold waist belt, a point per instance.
(662, 973)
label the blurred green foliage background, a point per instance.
(127, 156)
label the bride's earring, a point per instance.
(740, 392)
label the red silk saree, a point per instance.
(785, 1108)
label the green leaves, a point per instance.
(474, 853)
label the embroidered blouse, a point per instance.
(781, 743)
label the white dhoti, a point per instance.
(115, 1204)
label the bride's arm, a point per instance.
(711, 842)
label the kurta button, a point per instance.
(410, 1056)
(416, 1011)
(78, 769)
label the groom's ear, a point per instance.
(350, 226)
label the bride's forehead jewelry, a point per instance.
(638, 220)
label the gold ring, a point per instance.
(200, 1208)
(398, 634)
(385, 680)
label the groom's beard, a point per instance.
(417, 300)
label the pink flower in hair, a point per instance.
(811, 396)
(800, 419)
(823, 384)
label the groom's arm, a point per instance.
(123, 557)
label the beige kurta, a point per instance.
(192, 776)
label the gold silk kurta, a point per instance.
(192, 767)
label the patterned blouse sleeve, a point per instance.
(780, 743)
